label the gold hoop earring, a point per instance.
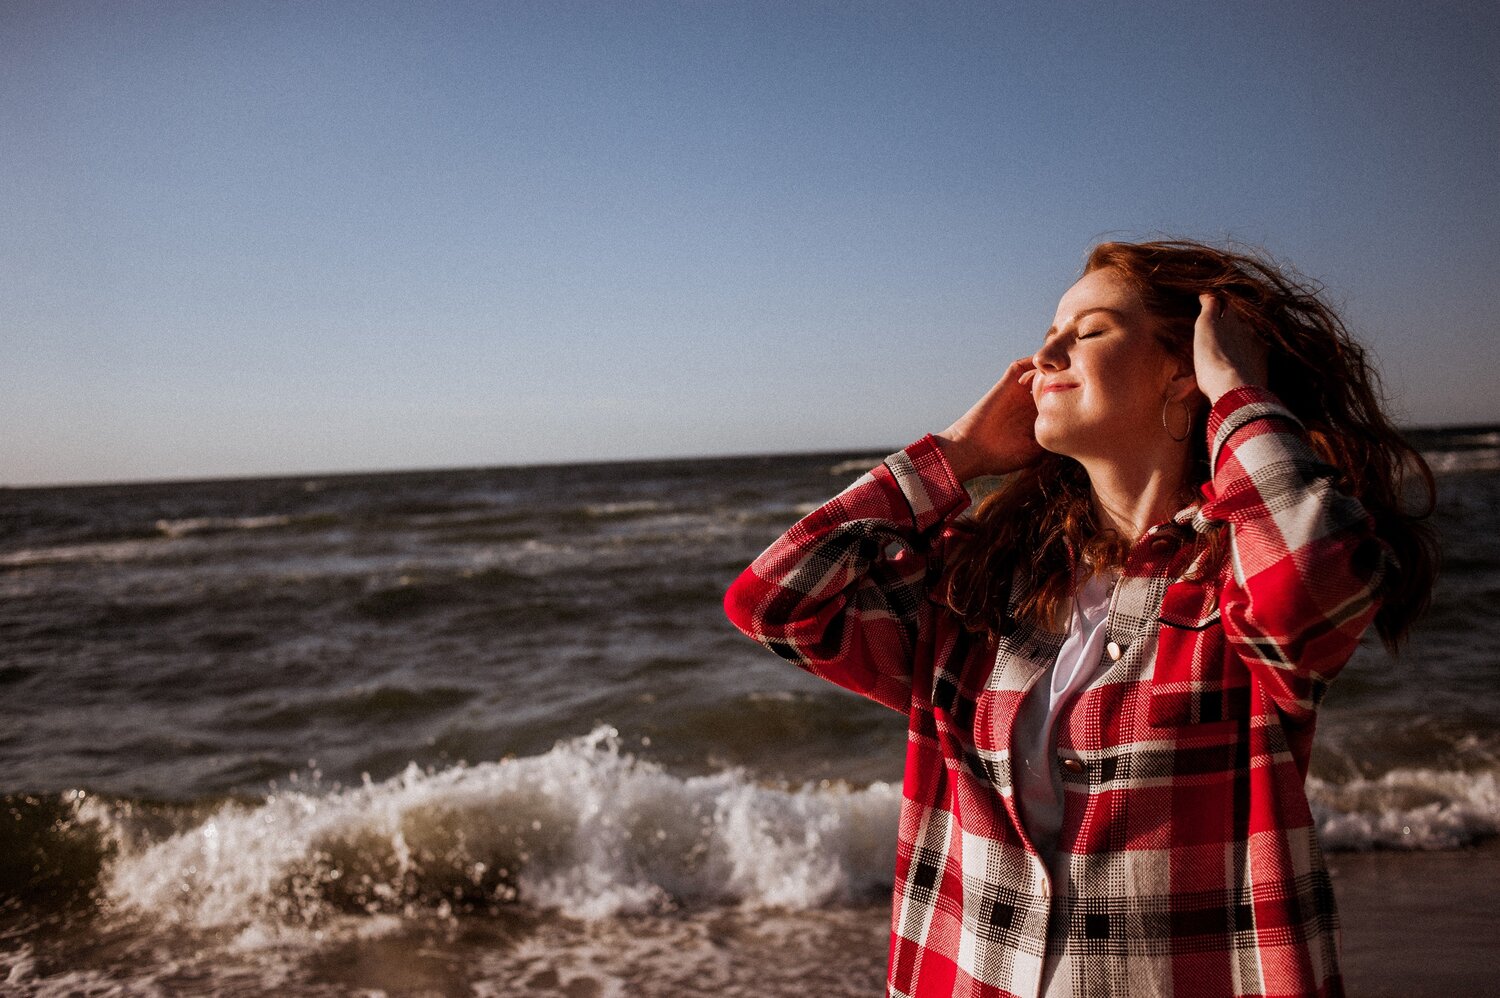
(1187, 429)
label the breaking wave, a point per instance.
(585, 829)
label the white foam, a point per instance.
(1448, 462)
(858, 466)
(98, 551)
(625, 508)
(737, 953)
(1407, 809)
(218, 524)
(584, 829)
(23, 978)
(18, 965)
(130, 550)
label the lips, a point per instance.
(1056, 386)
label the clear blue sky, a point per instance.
(249, 238)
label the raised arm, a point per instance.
(843, 593)
(1306, 565)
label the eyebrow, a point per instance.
(1079, 317)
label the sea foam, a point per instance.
(585, 829)
(1407, 809)
(218, 524)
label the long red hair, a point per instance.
(1039, 525)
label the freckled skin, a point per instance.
(1100, 377)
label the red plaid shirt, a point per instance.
(1190, 860)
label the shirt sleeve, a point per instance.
(1306, 564)
(843, 593)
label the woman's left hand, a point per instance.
(1227, 353)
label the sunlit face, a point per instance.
(1102, 374)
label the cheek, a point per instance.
(1128, 398)
(1141, 380)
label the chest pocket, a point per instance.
(1194, 681)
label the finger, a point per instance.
(1015, 373)
(1027, 377)
(1210, 306)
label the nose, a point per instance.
(1050, 356)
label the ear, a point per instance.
(1183, 384)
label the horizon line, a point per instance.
(431, 469)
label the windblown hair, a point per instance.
(1039, 526)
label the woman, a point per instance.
(1111, 667)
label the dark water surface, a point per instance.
(486, 732)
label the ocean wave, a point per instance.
(858, 466)
(1407, 809)
(218, 524)
(624, 508)
(1453, 462)
(367, 704)
(585, 829)
(143, 543)
(95, 551)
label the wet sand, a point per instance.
(1420, 923)
(1416, 925)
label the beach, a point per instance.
(1420, 923)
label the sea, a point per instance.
(487, 732)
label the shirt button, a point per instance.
(1114, 650)
(1073, 766)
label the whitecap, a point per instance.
(858, 466)
(585, 829)
(218, 524)
(97, 551)
(1407, 809)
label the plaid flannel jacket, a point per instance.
(1190, 860)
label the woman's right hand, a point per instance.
(997, 435)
